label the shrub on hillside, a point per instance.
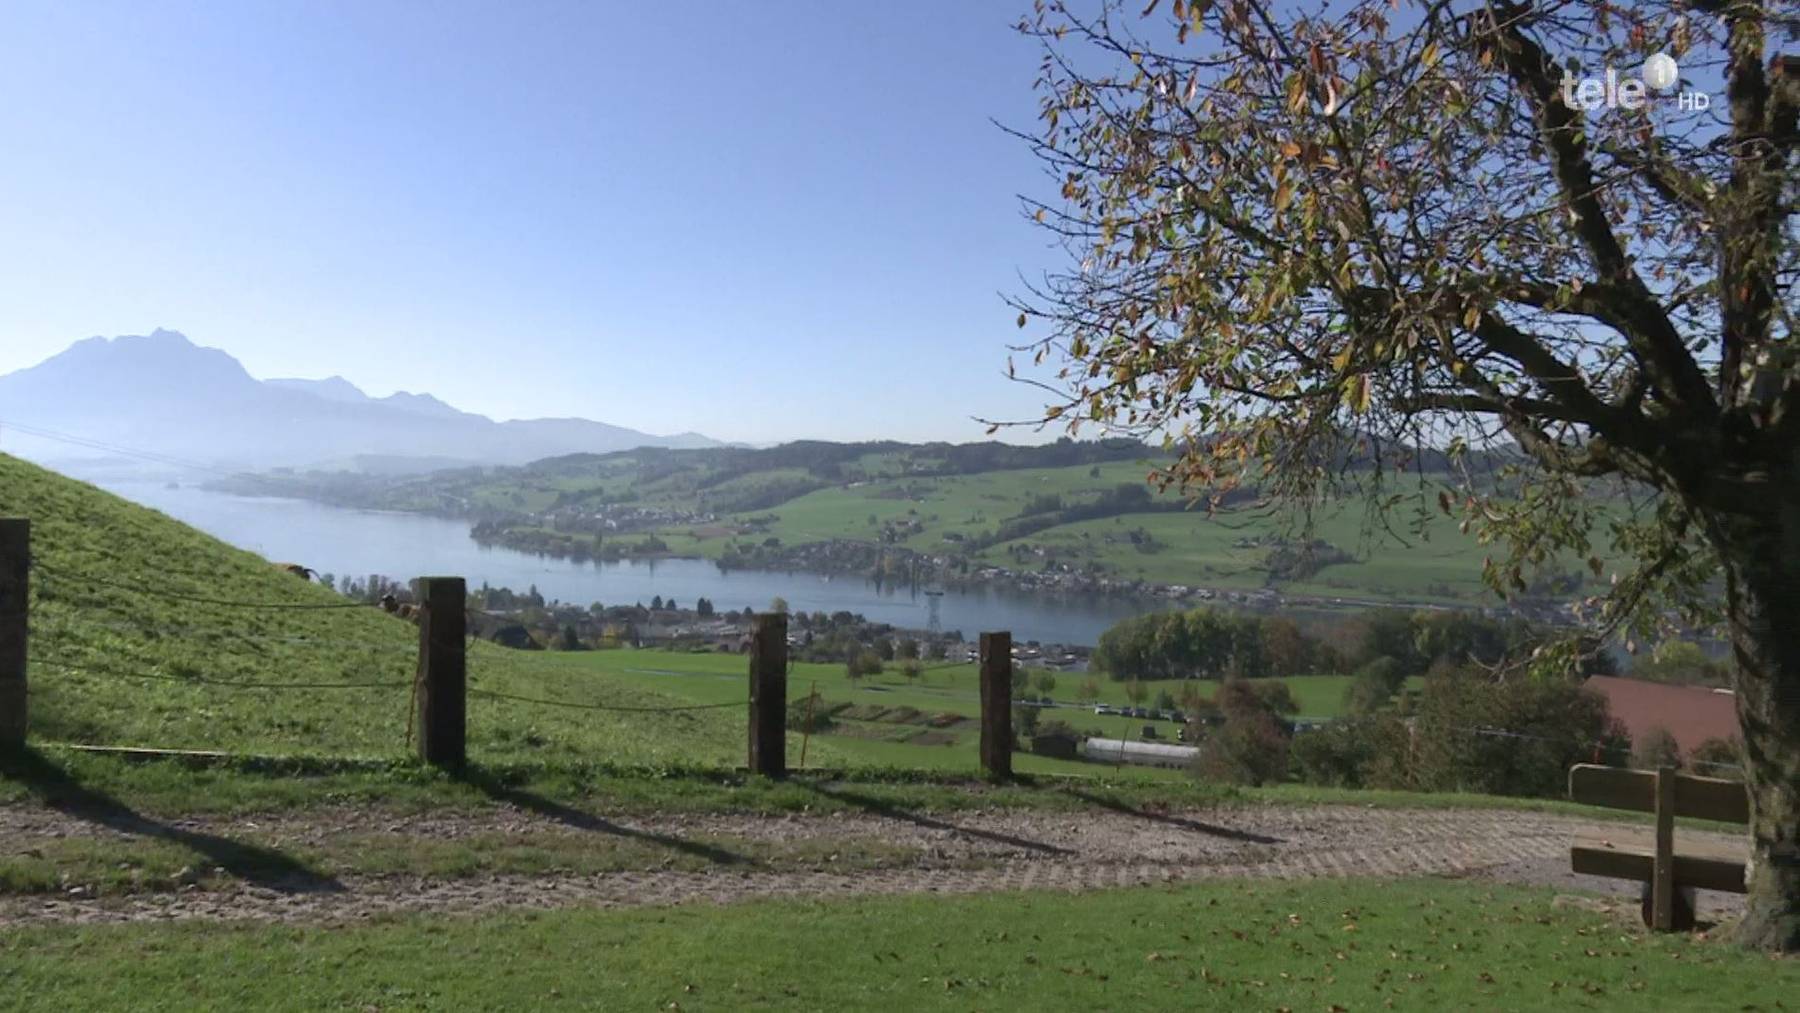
(1336, 756)
(1249, 749)
(1374, 685)
(1240, 697)
(1024, 721)
(809, 714)
(1517, 737)
(1657, 748)
(861, 663)
(1718, 758)
(1680, 662)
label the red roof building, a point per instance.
(1692, 714)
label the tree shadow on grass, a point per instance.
(1181, 822)
(884, 808)
(498, 790)
(252, 863)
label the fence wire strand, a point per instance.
(202, 680)
(58, 625)
(90, 579)
(495, 695)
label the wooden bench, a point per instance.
(1649, 856)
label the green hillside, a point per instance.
(1079, 510)
(123, 654)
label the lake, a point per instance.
(403, 545)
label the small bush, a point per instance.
(1657, 748)
(1249, 749)
(1718, 758)
(1024, 721)
(809, 715)
(1242, 697)
(1335, 756)
(1374, 685)
(1517, 737)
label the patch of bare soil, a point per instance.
(963, 852)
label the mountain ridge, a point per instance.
(164, 395)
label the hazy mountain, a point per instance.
(163, 394)
(336, 388)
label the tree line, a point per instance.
(1392, 644)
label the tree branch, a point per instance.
(1653, 338)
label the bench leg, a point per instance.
(1681, 909)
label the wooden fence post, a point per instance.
(768, 694)
(443, 672)
(996, 704)
(15, 601)
(1662, 869)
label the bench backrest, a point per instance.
(1705, 798)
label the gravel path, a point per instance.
(963, 852)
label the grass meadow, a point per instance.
(1327, 945)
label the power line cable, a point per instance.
(150, 456)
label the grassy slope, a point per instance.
(1229, 945)
(119, 663)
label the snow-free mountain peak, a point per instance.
(162, 394)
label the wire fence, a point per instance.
(272, 606)
(218, 634)
(204, 680)
(120, 667)
(70, 625)
(571, 705)
(1595, 749)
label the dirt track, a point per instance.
(952, 853)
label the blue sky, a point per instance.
(761, 221)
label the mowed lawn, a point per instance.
(1320, 945)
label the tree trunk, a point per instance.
(1762, 573)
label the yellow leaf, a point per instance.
(1284, 194)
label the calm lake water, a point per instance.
(401, 545)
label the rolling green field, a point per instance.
(1325, 945)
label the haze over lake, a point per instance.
(405, 545)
